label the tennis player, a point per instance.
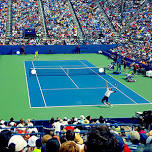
(36, 54)
(107, 95)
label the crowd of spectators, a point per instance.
(141, 27)
(120, 13)
(92, 21)
(130, 8)
(138, 56)
(59, 22)
(113, 10)
(25, 14)
(82, 134)
(3, 19)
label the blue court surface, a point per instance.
(73, 83)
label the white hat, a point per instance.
(134, 135)
(61, 121)
(82, 117)
(2, 121)
(75, 119)
(19, 142)
(65, 118)
(32, 141)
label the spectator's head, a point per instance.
(38, 143)
(70, 135)
(88, 118)
(69, 146)
(140, 128)
(52, 120)
(11, 119)
(101, 119)
(63, 139)
(101, 140)
(45, 138)
(22, 121)
(65, 119)
(82, 117)
(52, 145)
(134, 137)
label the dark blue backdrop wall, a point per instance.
(56, 49)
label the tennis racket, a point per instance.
(116, 86)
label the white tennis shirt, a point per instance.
(108, 92)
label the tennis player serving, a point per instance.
(107, 95)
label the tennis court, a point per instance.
(73, 83)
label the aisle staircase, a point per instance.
(9, 22)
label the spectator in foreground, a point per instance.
(5, 136)
(101, 140)
(17, 143)
(38, 146)
(144, 148)
(134, 142)
(52, 145)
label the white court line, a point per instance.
(111, 84)
(40, 86)
(76, 88)
(69, 77)
(100, 105)
(27, 86)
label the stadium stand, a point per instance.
(70, 22)
(25, 15)
(60, 25)
(65, 23)
(3, 19)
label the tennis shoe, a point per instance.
(110, 106)
(104, 104)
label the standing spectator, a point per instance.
(77, 51)
(124, 64)
(22, 125)
(12, 123)
(22, 50)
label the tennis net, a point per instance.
(65, 71)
